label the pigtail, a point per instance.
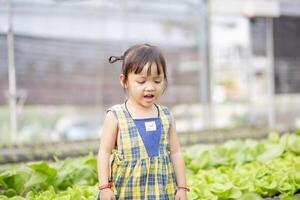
(113, 59)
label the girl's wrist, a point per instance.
(105, 186)
(186, 189)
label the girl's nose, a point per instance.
(149, 87)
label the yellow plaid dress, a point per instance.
(134, 174)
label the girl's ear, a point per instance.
(123, 81)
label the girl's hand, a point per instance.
(107, 194)
(180, 195)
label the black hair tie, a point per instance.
(113, 59)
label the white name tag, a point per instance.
(150, 126)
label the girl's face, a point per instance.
(144, 89)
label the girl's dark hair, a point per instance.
(136, 57)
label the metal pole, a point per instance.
(270, 56)
(250, 78)
(204, 62)
(12, 75)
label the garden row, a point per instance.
(47, 151)
(36, 152)
(235, 169)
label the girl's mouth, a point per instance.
(149, 96)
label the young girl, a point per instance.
(146, 161)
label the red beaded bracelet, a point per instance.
(183, 188)
(108, 185)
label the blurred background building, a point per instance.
(230, 63)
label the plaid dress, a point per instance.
(134, 174)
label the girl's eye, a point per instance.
(140, 82)
(157, 82)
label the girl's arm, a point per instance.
(107, 143)
(177, 156)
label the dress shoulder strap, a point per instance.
(165, 115)
(119, 114)
(117, 110)
(165, 110)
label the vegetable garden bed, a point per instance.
(236, 169)
(47, 151)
